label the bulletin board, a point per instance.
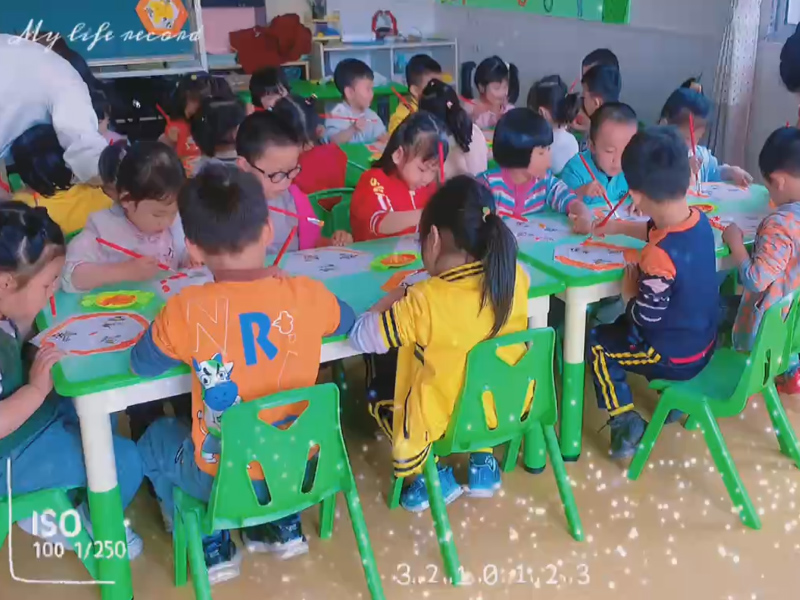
(123, 34)
(607, 11)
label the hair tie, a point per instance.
(194, 77)
(449, 104)
(486, 212)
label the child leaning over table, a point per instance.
(227, 224)
(476, 291)
(39, 429)
(352, 120)
(669, 327)
(772, 271)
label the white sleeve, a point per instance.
(478, 155)
(82, 249)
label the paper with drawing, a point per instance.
(95, 333)
(538, 230)
(324, 263)
(593, 258)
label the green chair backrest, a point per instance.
(337, 219)
(508, 385)
(767, 358)
(283, 454)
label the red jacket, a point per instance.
(322, 168)
(376, 195)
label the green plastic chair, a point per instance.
(468, 432)
(337, 219)
(57, 500)
(722, 389)
(283, 455)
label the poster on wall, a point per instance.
(608, 11)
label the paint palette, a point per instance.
(394, 260)
(118, 299)
(706, 207)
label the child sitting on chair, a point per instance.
(772, 270)
(498, 89)
(705, 166)
(271, 336)
(214, 129)
(669, 328)
(353, 121)
(476, 291)
(420, 70)
(267, 86)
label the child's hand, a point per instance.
(733, 236)
(141, 269)
(593, 189)
(341, 238)
(738, 176)
(190, 263)
(40, 376)
(695, 164)
(630, 282)
(276, 271)
(361, 124)
(581, 218)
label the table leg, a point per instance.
(573, 381)
(105, 504)
(534, 454)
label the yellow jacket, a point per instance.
(69, 208)
(400, 113)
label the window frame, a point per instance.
(779, 29)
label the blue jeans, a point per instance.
(53, 458)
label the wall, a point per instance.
(665, 43)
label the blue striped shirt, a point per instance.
(527, 198)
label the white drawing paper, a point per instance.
(593, 258)
(538, 230)
(725, 192)
(747, 222)
(169, 286)
(324, 263)
(94, 333)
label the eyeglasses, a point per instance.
(278, 176)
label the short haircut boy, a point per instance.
(616, 112)
(601, 56)
(518, 132)
(349, 71)
(418, 67)
(222, 209)
(261, 130)
(781, 152)
(656, 164)
(603, 82)
(683, 102)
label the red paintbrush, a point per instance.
(285, 246)
(400, 97)
(691, 134)
(53, 305)
(280, 211)
(441, 164)
(342, 118)
(163, 113)
(591, 174)
(613, 210)
(574, 83)
(127, 252)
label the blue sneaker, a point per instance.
(223, 560)
(414, 497)
(484, 475)
(283, 538)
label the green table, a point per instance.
(584, 287)
(359, 159)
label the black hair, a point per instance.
(518, 132)
(601, 56)
(301, 114)
(268, 81)
(790, 62)
(656, 163)
(216, 122)
(781, 152)
(79, 63)
(197, 86)
(693, 83)
(149, 171)
(261, 130)
(29, 239)
(100, 104)
(603, 81)
(616, 112)
(466, 209)
(491, 70)
(419, 66)
(441, 100)
(349, 71)
(223, 209)
(683, 102)
(419, 135)
(39, 160)
(552, 94)
(110, 158)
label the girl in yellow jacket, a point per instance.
(476, 291)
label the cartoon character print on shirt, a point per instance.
(220, 392)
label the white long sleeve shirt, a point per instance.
(38, 86)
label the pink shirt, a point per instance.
(488, 119)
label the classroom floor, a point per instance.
(672, 534)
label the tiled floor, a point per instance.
(670, 535)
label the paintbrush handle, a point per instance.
(285, 246)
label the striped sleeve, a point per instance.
(559, 196)
(768, 262)
(656, 278)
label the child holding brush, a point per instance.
(143, 221)
(352, 120)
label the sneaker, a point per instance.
(284, 538)
(414, 497)
(789, 384)
(484, 475)
(223, 559)
(673, 416)
(135, 543)
(627, 431)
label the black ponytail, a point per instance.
(513, 83)
(466, 209)
(29, 239)
(420, 135)
(217, 122)
(441, 100)
(110, 159)
(301, 114)
(551, 93)
(466, 79)
(39, 160)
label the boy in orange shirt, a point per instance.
(250, 333)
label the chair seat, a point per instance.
(716, 383)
